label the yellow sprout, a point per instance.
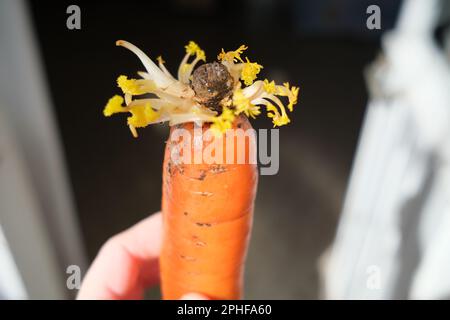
(132, 86)
(150, 114)
(284, 90)
(250, 71)
(193, 49)
(137, 118)
(160, 60)
(223, 122)
(113, 106)
(142, 115)
(232, 56)
(277, 118)
(270, 87)
(293, 98)
(243, 104)
(291, 93)
(174, 100)
(201, 55)
(185, 67)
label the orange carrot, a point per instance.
(208, 212)
(207, 206)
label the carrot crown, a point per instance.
(174, 100)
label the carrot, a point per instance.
(207, 206)
(208, 212)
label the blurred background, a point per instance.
(70, 179)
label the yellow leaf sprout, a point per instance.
(293, 98)
(141, 116)
(193, 49)
(243, 104)
(232, 56)
(277, 118)
(113, 106)
(270, 87)
(173, 99)
(223, 122)
(291, 93)
(133, 86)
(249, 72)
(160, 60)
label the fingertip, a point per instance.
(126, 264)
(194, 296)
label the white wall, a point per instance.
(37, 212)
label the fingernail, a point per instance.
(193, 296)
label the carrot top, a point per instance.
(214, 93)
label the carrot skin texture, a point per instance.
(207, 221)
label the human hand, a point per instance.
(127, 264)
